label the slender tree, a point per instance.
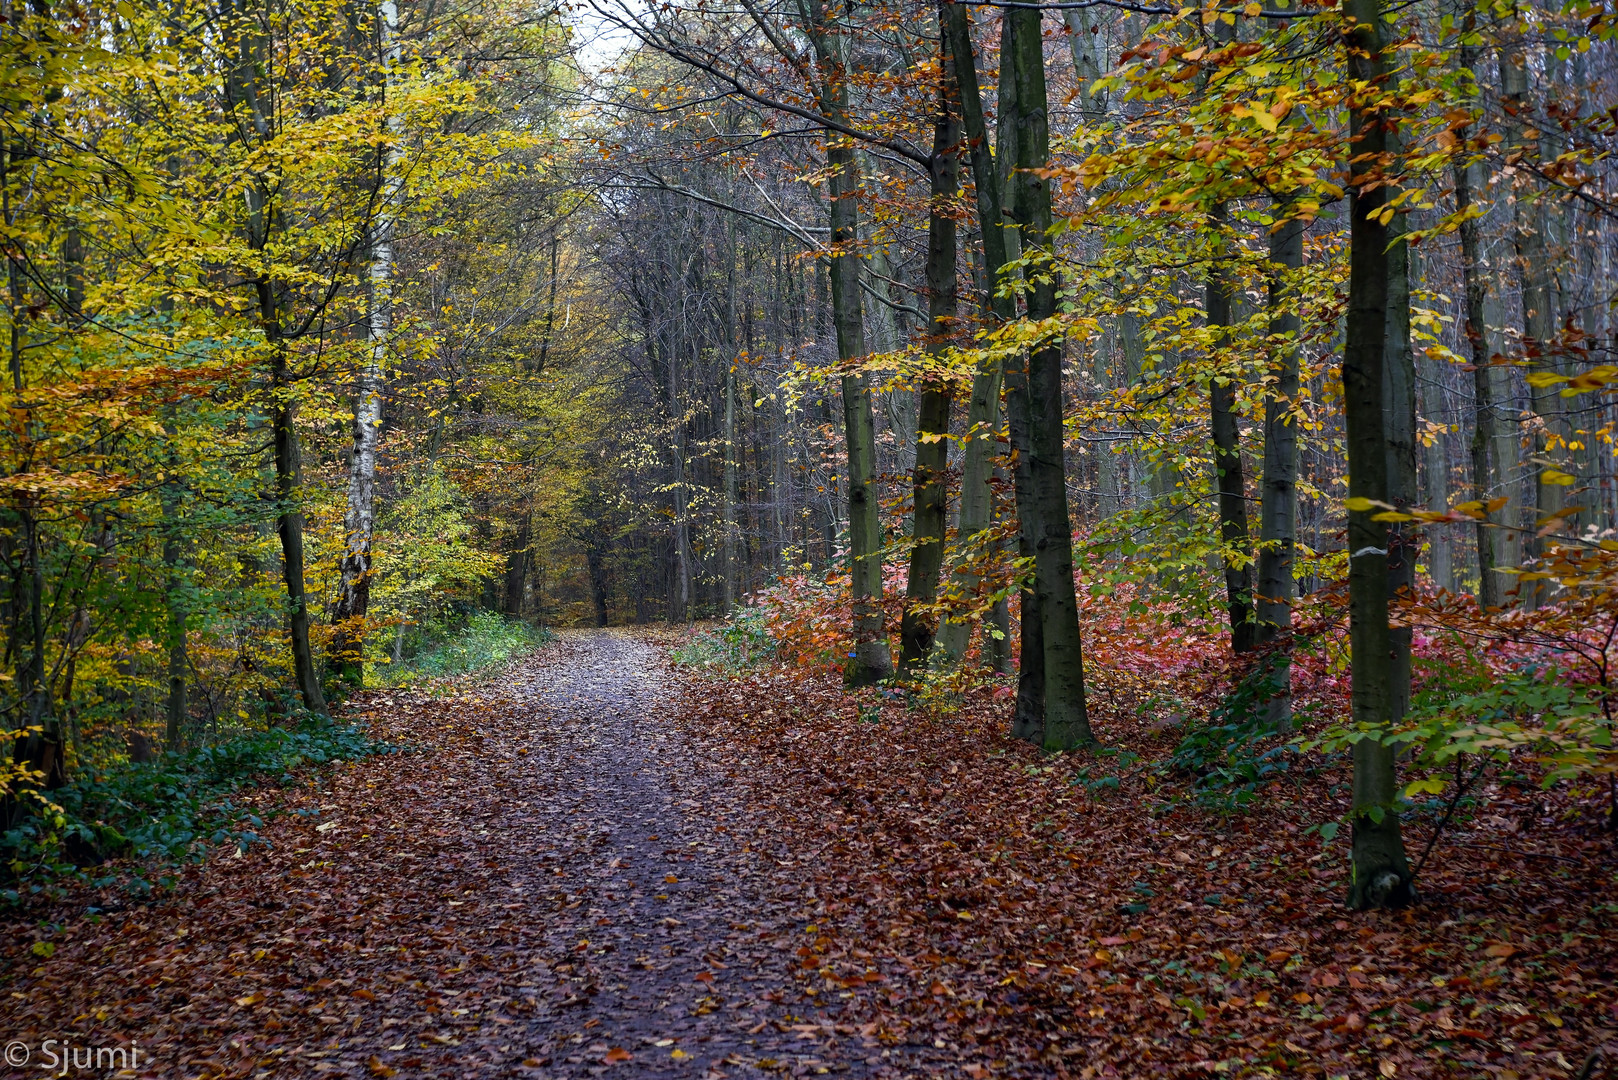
(1381, 875)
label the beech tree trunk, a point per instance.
(1528, 225)
(1484, 436)
(983, 411)
(1067, 722)
(930, 478)
(871, 660)
(177, 708)
(1381, 873)
(998, 249)
(1230, 480)
(1278, 523)
(1399, 412)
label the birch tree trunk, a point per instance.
(347, 650)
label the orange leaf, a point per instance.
(617, 1056)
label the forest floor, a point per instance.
(595, 864)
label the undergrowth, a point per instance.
(486, 639)
(740, 642)
(126, 823)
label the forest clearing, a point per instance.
(897, 539)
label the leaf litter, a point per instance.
(594, 865)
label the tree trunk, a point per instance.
(1399, 434)
(871, 661)
(1381, 874)
(930, 483)
(1528, 224)
(998, 245)
(596, 565)
(517, 562)
(1067, 722)
(1278, 524)
(728, 524)
(177, 712)
(347, 650)
(289, 492)
(1230, 480)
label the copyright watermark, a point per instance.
(60, 1057)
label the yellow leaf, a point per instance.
(1264, 119)
(1557, 476)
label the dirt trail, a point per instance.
(689, 939)
(549, 888)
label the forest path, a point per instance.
(545, 886)
(691, 943)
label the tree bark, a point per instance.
(1230, 480)
(289, 492)
(1484, 479)
(347, 650)
(871, 660)
(1399, 412)
(1381, 874)
(177, 710)
(1528, 226)
(1278, 525)
(728, 523)
(934, 397)
(517, 562)
(1067, 722)
(983, 411)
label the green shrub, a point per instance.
(741, 641)
(484, 640)
(155, 815)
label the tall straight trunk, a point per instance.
(999, 245)
(934, 396)
(1484, 436)
(517, 562)
(983, 410)
(1230, 480)
(177, 710)
(347, 649)
(1528, 226)
(728, 540)
(1440, 552)
(871, 660)
(40, 749)
(1381, 873)
(1067, 723)
(1399, 436)
(1084, 42)
(290, 524)
(1278, 523)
